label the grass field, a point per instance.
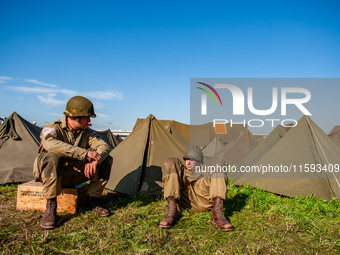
(264, 224)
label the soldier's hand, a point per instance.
(90, 168)
(94, 155)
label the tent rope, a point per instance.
(322, 150)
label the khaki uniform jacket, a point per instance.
(57, 137)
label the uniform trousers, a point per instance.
(192, 191)
(56, 172)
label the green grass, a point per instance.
(264, 224)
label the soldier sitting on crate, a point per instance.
(192, 187)
(71, 153)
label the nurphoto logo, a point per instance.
(302, 96)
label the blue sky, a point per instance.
(133, 58)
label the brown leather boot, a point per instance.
(218, 218)
(93, 205)
(171, 216)
(50, 215)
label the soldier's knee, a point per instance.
(52, 158)
(169, 162)
(170, 165)
(51, 165)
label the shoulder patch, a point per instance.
(93, 132)
(51, 131)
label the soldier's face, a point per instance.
(84, 122)
(191, 164)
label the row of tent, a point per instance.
(309, 158)
(138, 158)
(19, 143)
(234, 151)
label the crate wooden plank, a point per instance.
(30, 197)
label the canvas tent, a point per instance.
(215, 146)
(19, 143)
(335, 137)
(260, 150)
(138, 159)
(183, 129)
(202, 135)
(109, 138)
(168, 126)
(259, 137)
(336, 128)
(119, 138)
(288, 126)
(239, 148)
(304, 145)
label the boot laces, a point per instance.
(172, 208)
(218, 209)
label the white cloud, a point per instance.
(48, 94)
(30, 90)
(4, 79)
(41, 83)
(51, 101)
(41, 90)
(68, 92)
(102, 115)
(108, 95)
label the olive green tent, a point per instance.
(259, 137)
(336, 128)
(183, 129)
(109, 138)
(304, 148)
(335, 137)
(288, 126)
(138, 159)
(202, 135)
(215, 146)
(19, 143)
(169, 126)
(260, 150)
(235, 151)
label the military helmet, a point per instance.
(194, 153)
(79, 106)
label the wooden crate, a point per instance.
(30, 197)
